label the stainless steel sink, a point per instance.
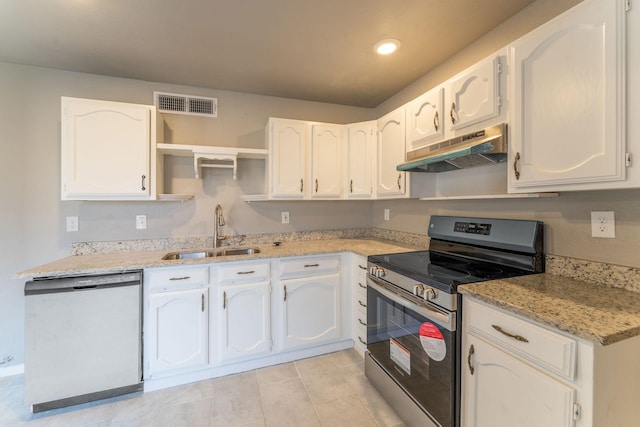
(210, 253)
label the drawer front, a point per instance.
(242, 272)
(552, 351)
(309, 266)
(164, 279)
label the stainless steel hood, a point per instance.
(484, 147)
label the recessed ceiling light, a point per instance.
(387, 46)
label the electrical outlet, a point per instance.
(72, 223)
(285, 217)
(141, 222)
(603, 224)
(386, 214)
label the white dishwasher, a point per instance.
(83, 339)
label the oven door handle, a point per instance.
(444, 319)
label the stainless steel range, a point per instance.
(414, 309)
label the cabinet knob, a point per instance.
(452, 113)
(436, 121)
(515, 165)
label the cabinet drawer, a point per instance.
(242, 272)
(552, 351)
(173, 278)
(311, 266)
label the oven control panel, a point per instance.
(472, 228)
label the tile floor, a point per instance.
(329, 391)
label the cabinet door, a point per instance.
(326, 154)
(502, 391)
(288, 139)
(568, 90)
(424, 119)
(243, 327)
(360, 159)
(391, 152)
(177, 330)
(310, 310)
(105, 150)
(474, 94)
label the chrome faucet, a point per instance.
(218, 222)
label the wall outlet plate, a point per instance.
(285, 217)
(386, 214)
(603, 224)
(72, 223)
(141, 222)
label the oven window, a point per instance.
(418, 353)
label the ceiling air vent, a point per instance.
(186, 104)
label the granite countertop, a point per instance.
(586, 310)
(121, 261)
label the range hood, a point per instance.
(484, 147)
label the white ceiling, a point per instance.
(320, 50)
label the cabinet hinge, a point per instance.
(627, 159)
(577, 411)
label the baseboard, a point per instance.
(9, 371)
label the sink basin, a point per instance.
(210, 253)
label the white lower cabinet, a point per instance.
(504, 391)
(308, 307)
(243, 328)
(359, 302)
(243, 311)
(516, 372)
(177, 331)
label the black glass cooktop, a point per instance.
(428, 266)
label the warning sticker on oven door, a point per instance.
(400, 355)
(433, 341)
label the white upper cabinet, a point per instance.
(326, 161)
(106, 150)
(474, 94)
(360, 159)
(391, 152)
(425, 121)
(568, 89)
(287, 158)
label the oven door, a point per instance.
(416, 345)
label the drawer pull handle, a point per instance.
(399, 178)
(362, 286)
(471, 351)
(180, 278)
(285, 293)
(224, 300)
(351, 186)
(143, 187)
(451, 111)
(510, 335)
(311, 265)
(203, 303)
(361, 267)
(516, 172)
(362, 304)
(246, 272)
(436, 121)
(362, 341)
(361, 322)
(301, 185)
(316, 185)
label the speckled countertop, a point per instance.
(115, 262)
(587, 310)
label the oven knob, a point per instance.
(377, 271)
(429, 294)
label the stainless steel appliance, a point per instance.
(82, 339)
(485, 147)
(414, 310)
